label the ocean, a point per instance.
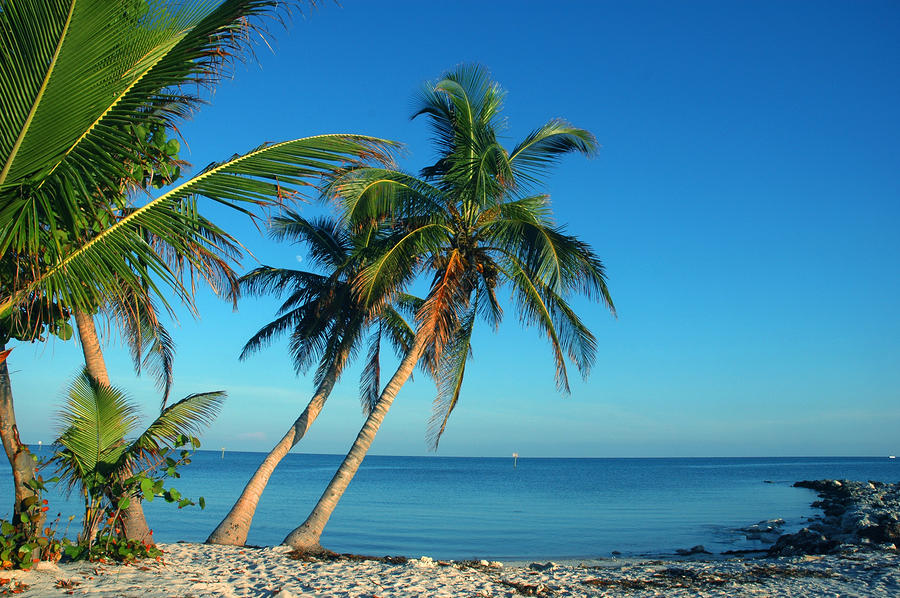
(543, 508)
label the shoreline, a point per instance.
(850, 549)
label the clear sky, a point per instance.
(746, 203)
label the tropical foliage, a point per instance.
(108, 471)
(92, 90)
(473, 222)
(88, 85)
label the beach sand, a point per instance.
(196, 570)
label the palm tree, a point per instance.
(82, 81)
(325, 326)
(93, 456)
(26, 322)
(471, 223)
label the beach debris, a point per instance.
(527, 589)
(11, 586)
(543, 566)
(425, 561)
(66, 584)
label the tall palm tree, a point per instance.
(81, 80)
(325, 325)
(92, 454)
(471, 223)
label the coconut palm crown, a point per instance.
(473, 223)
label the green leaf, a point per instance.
(147, 488)
(202, 502)
(123, 503)
(64, 331)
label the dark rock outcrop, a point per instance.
(855, 515)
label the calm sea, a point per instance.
(448, 507)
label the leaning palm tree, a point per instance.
(81, 81)
(472, 224)
(325, 325)
(94, 457)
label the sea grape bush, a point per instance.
(26, 542)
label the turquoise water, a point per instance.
(449, 507)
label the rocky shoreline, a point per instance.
(856, 516)
(850, 550)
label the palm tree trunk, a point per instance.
(306, 537)
(235, 526)
(133, 517)
(23, 465)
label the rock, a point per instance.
(698, 549)
(806, 541)
(542, 566)
(856, 515)
(765, 531)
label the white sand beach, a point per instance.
(195, 570)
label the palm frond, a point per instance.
(452, 369)
(534, 310)
(326, 242)
(80, 75)
(545, 145)
(397, 329)
(369, 194)
(266, 280)
(93, 422)
(397, 264)
(150, 344)
(187, 417)
(463, 102)
(370, 377)
(263, 176)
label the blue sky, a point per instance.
(746, 203)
